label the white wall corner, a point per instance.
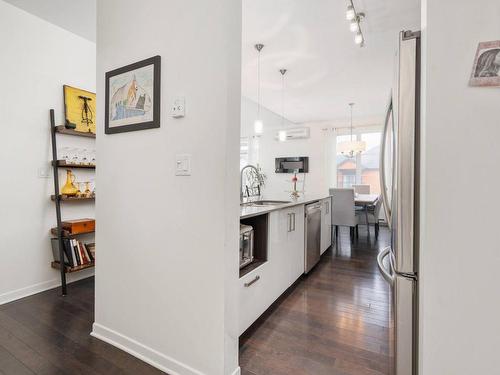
(237, 371)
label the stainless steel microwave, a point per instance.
(298, 164)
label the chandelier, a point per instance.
(350, 149)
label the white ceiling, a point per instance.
(326, 70)
(76, 16)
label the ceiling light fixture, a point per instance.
(258, 125)
(350, 149)
(355, 19)
(282, 133)
(358, 39)
(353, 26)
(351, 13)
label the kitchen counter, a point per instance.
(249, 210)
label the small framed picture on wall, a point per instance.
(133, 97)
(486, 69)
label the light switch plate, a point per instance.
(183, 165)
(179, 107)
(43, 172)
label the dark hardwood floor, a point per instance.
(47, 334)
(336, 321)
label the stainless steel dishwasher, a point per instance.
(313, 235)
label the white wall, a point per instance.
(460, 255)
(168, 246)
(37, 59)
(315, 147)
(249, 111)
(320, 148)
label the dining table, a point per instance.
(365, 201)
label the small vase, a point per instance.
(69, 187)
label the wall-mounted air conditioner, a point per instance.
(295, 133)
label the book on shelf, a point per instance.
(76, 252)
(91, 248)
(69, 250)
(88, 253)
(84, 253)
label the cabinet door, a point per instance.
(328, 223)
(296, 244)
(278, 253)
(327, 227)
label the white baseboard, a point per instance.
(36, 288)
(237, 371)
(143, 352)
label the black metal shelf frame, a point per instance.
(57, 196)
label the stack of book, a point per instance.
(76, 253)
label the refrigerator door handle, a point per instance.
(388, 275)
(385, 200)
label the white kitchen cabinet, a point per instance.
(285, 264)
(295, 243)
(254, 295)
(326, 224)
(287, 246)
(280, 223)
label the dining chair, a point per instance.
(373, 217)
(343, 210)
(361, 189)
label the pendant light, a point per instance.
(351, 148)
(282, 133)
(258, 125)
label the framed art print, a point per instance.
(486, 69)
(79, 109)
(133, 97)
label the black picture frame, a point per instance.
(155, 123)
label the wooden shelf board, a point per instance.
(69, 269)
(61, 129)
(63, 164)
(67, 198)
(67, 234)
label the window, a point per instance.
(244, 152)
(370, 160)
(364, 168)
(348, 180)
(346, 167)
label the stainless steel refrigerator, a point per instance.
(399, 176)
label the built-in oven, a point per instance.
(297, 164)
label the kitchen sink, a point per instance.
(265, 203)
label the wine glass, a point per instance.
(65, 154)
(79, 186)
(87, 193)
(83, 156)
(92, 157)
(73, 156)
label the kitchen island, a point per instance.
(279, 247)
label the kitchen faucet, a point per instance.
(241, 180)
